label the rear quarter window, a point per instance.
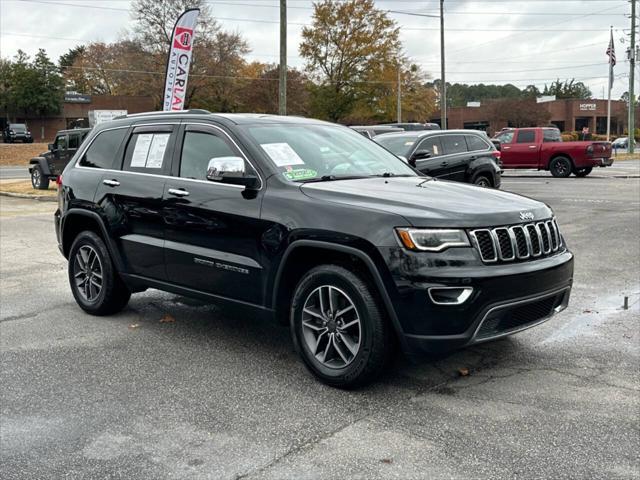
(103, 150)
(476, 143)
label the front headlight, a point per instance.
(432, 239)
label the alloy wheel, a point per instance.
(331, 326)
(87, 273)
(35, 178)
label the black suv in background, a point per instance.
(16, 132)
(460, 155)
(310, 223)
(49, 165)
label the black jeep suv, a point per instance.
(311, 223)
(49, 165)
(16, 131)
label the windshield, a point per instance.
(400, 145)
(18, 127)
(324, 152)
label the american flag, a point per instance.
(611, 51)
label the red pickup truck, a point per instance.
(543, 149)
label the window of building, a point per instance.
(102, 151)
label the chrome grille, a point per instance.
(517, 242)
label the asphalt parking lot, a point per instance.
(217, 395)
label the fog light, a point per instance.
(449, 295)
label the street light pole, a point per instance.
(632, 64)
(443, 83)
(399, 111)
(282, 91)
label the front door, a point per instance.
(213, 230)
(524, 150)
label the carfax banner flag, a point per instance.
(180, 49)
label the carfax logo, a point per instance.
(183, 38)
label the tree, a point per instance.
(519, 113)
(347, 48)
(567, 89)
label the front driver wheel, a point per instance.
(339, 328)
(560, 167)
(38, 180)
(583, 172)
(95, 284)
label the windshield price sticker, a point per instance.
(282, 154)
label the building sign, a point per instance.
(587, 106)
(72, 97)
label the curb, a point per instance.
(40, 198)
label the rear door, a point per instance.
(213, 230)
(455, 160)
(130, 195)
(524, 152)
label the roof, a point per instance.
(74, 130)
(424, 133)
(235, 118)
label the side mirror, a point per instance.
(230, 170)
(421, 154)
(496, 143)
(51, 147)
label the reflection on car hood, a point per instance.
(431, 202)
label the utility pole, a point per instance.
(282, 98)
(632, 67)
(399, 94)
(443, 83)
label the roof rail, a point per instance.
(143, 114)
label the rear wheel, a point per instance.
(583, 172)
(338, 327)
(482, 181)
(560, 167)
(38, 180)
(94, 281)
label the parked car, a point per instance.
(310, 223)
(460, 155)
(371, 131)
(621, 143)
(16, 131)
(48, 165)
(543, 149)
(414, 126)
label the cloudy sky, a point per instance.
(491, 41)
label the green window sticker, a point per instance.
(300, 174)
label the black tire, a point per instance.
(583, 172)
(113, 294)
(561, 167)
(375, 337)
(39, 181)
(482, 180)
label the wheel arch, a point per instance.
(42, 163)
(303, 255)
(77, 220)
(481, 166)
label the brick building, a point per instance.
(75, 112)
(567, 115)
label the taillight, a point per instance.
(59, 182)
(496, 154)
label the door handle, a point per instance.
(506, 148)
(111, 183)
(532, 146)
(178, 192)
(444, 164)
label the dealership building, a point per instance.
(75, 113)
(567, 115)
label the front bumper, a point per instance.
(505, 299)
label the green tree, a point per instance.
(348, 47)
(519, 113)
(567, 89)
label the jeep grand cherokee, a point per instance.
(310, 223)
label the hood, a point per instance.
(431, 203)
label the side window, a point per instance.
(74, 141)
(476, 143)
(148, 152)
(61, 142)
(506, 137)
(197, 149)
(432, 144)
(453, 144)
(104, 148)
(551, 135)
(526, 136)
